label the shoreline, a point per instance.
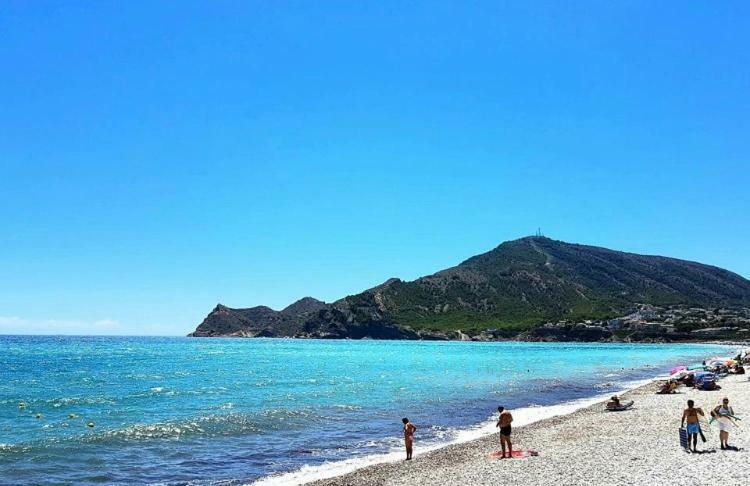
(353, 470)
(322, 474)
(332, 473)
(610, 447)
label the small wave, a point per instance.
(220, 425)
(347, 407)
(207, 426)
(70, 401)
(13, 448)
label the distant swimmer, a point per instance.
(690, 415)
(409, 430)
(504, 423)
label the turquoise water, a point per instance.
(230, 411)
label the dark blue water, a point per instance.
(230, 411)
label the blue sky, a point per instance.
(159, 157)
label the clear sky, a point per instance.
(159, 157)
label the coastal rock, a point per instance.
(566, 333)
(258, 321)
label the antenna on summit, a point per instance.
(539, 232)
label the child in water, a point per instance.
(409, 429)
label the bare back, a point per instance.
(505, 419)
(409, 431)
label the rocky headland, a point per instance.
(533, 289)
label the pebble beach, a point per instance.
(590, 446)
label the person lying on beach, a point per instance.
(614, 403)
(409, 430)
(690, 415)
(505, 429)
(707, 385)
(723, 414)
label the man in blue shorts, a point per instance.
(690, 415)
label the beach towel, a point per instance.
(516, 453)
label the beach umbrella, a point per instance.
(704, 375)
(677, 369)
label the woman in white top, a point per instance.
(723, 413)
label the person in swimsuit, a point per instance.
(409, 429)
(504, 423)
(723, 413)
(614, 403)
(690, 415)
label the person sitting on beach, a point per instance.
(409, 429)
(668, 387)
(723, 414)
(504, 423)
(614, 403)
(690, 415)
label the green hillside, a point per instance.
(535, 279)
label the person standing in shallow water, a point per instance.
(504, 423)
(409, 429)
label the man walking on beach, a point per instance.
(409, 429)
(690, 415)
(504, 423)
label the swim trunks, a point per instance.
(505, 430)
(692, 428)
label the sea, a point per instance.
(222, 411)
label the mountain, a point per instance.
(508, 290)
